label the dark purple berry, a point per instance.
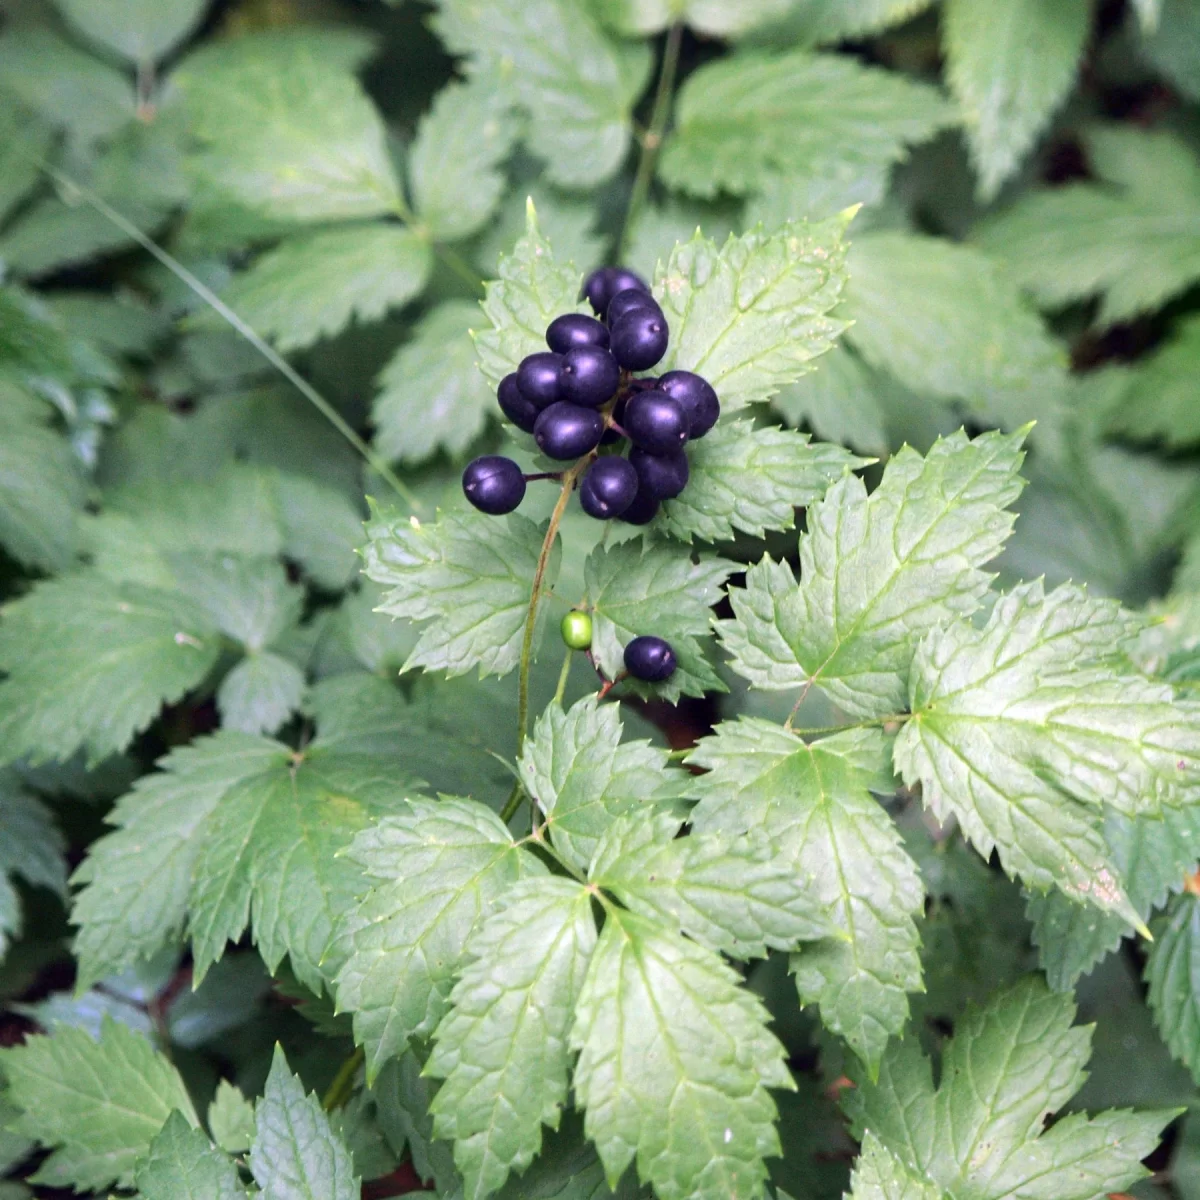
(537, 377)
(521, 412)
(650, 659)
(697, 397)
(602, 285)
(639, 339)
(565, 431)
(662, 476)
(575, 329)
(494, 484)
(629, 300)
(642, 511)
(588, 375)
(608, 488)
(656, 422)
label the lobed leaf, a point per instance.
(182, 1164)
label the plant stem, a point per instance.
(339, 1090)
(563, 675)
(459, 266)
(653, 138)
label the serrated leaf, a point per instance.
(529, 291)
(469, 574)
(31, 848)
(656, 588)
(813, 800)
(231, 1119)
(752, 480)
(432, 395)
(716, 18)
(742, 119)
(674, 1064)
(877, 572)
(288, 132)
(312, 286)
(738, 897)
(880, 1175)
(296, 1155)
(182, 1164)
(583, 777)
(577, 87)
(1007, 1067)
(1171, 968)
(1159, 402)
(751, 316)
(434, 873)
(1126, 239)
(320, 527)
(454, 163)
(502, 1047)
(1010, 66)
(90, 663)
(139, 30)
(99, 1104)
(260, 693)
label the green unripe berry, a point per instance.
(577, 629)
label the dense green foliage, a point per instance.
(324, 874)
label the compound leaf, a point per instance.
(1159, 402)
(231, 1119)
(880, 1175)
(182, 1164)
(260, 693)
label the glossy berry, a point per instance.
(576, 630)
(602, 285)
(521, 412)
(588, 375)
(565, 431)
(494, 484)
(697, 397)
(639, 339)
(627, 301)
(575, 329)
(608, 488)
(642, 511)
(656, 422)
(537, 377)
(650, 659)
(662, 476)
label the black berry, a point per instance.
(629, 300)
(575, 329)
(650, 659)
(642, 511)
(588, 375)
(537, 377)
(602, 285)
(565, 431)
(639, 339)
(697, 397)
(494, 484)
(661, 476)
(656, 422)
(513, 404)
(608, 488)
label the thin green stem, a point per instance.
(210, 298)
(512, 803)
(459, 266)
(340, 1089)
(563, 675)
(652, 139)
(679, 755)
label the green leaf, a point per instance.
(880, 1175)
(637, 588)
(733, 896)
(231, 1119)
(817, 21)
(1126, 239)
(742, 478)
(979, 1134)
(876, 573)
(31, 848)
(742, 119)
(1171, 968)
(432, 396)
(638, 18)
(582, 777)
(1170, 37)
(530, 290)
(313, 285)
(90, 663)
(502, 1047)
(1159, 402)
(139, 30)
(99, 1104)
(469, 574)
(434, 873)
(813, 800)
(674, 1064)
(751, 316)
(944, 320)
(24, 140)
(577, 87)
(454, 164)
(286, 132)
(320, 528)
(1010, 66)
(1025, 730)
(182, 1164)
(296, 1155)
(260, 693)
